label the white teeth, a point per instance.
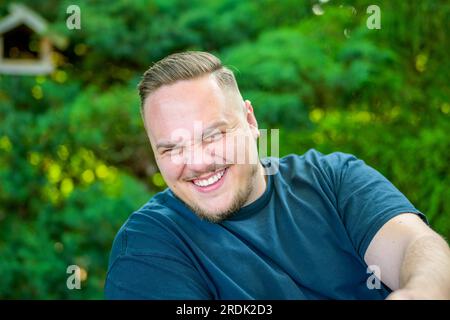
(211, 180)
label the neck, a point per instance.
(259, 186)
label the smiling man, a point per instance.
(230, 227)
(202, 168)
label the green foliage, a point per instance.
(74, 156)
(120, 106)
(36, 253)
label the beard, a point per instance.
(239, 199)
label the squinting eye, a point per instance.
(214, 137)
(171, 151)
(175, 151)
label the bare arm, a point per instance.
(413, 259)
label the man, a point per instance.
(225, 229)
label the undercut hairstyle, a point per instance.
(184, 66)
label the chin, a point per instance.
(213, 210)
(213, 213)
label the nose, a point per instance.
(199, 158)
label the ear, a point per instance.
(251, 119)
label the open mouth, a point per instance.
(212, 182)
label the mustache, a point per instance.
(209, 169)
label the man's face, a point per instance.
(204, 141)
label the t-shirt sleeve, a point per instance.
(144, 267)
(366, 200)
(152, 277)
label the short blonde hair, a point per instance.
(184, 66)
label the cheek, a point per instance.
(238, 147)
(237, 178)
(170, 171)
(221, 151)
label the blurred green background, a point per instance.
(74, 157)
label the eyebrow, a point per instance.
(214, 126)
(165, 145)
(168, 144)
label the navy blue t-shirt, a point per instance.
(304, 238)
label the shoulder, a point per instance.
(148, 230)
(315, 157)
(315, 163)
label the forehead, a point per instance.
(184, 103)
